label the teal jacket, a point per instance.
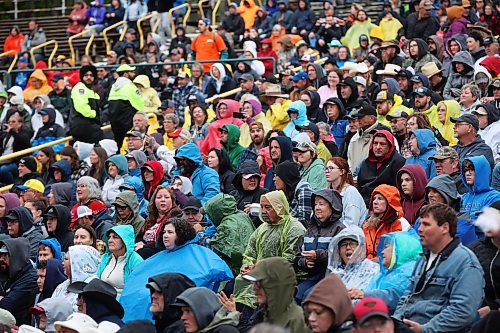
(132, 259)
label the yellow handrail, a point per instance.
(105, 33)
(153, 28)
(200, 7)
(214, 12)
(186, 17)
(87, 47)
(5, 188)
(13, 63)
(52, 54)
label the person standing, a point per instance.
(208, 45)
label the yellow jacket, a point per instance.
(245, 139)
(30, 92)
(187, 117)
(390, 28)
(446, 129)
(277, 115)
(323, 152)
(397, 107)
(149, 95)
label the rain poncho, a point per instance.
(358, 28)
(129, 199)
(447, 129)
(56, 309)
(270, 240)
(301, 119)
(232, 147)
(149, 95)
(137, 184)
(358, 271)
(391, 282)
(30, 93)
(258, 115)
(198, 263)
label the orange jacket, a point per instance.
(248, 13)
(13, 43)
(391, 221)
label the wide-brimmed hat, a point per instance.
(390, 43)
(274, 90)
(78, 322)
(389, 69)
(105, 294)
(430, 69)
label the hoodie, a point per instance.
(65, 168)
(248, 13)
(313, 110)
(447, 129)
(458, 24)
(423, 56)
(300, 120)
(438, 40)
(350, 102)
(477, 148)
(50, 130)
(232, 147)
(30, 92)
(205, 180)
(286, 155)
(135, 183)
(18, 286)
(491, 134)
(27, 229)
(129, 199)
(158, 173)
(338, 126)
(140, 158)
(53, 277)
(56, 309)
(412, 204)
(457, 80)
(128, 262)
(480, 194)
(63, 233)
(257, 115)
(172, 285)
(427, 146)
(111, 187)
(54, 246)
(62, 193)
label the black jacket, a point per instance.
(61, 102)
(19, 287)
(234, 23)
(62, 233)
(50, 129)
(228, 84)
(489, 257)
(100, 312)
(102, 224)
(416, 28)
(22, 140)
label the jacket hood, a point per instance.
(286, 148)
(379, 160)
(315, 100)
(139, 156)
(483, 174)
(85, 261)
(126, 233)
(56, 309)
(493, 112)
(334, 199)
(121, 163)
(190, 151)
(465, 58)
(221, 69)
(426, 140)
(331, 293)
(392, 85)
(143, 80)
(406, 248)
(172, 285)
(256, 106)
(157, 172)
(320, 74)
(301, 108)
(349, 232)
(438, 40)
(423, 48)
(219, 207)
(391, 194)
(233, 136)
(19, 254)
(52, 117)
(203, 302)
(338, 102)
(38, 74)
(452, 111)
(62, 192)
(63, 219)
(461, 41)
(54, 276)
(424, 79)
(138, 186)
(246, 167)
(11, 200)
(232, 107)
(25, 219)
(129, 199)
(64, 167)
(351, 83)
(480, 71)
(445, 185)
(419, 177)
(120, 83)
(54, 244)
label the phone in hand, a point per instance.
(239, 115)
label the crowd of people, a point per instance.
(357, 190)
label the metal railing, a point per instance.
(14, 59)
(105, 33)
(216, 9)
(52, 54)
(87, 47)
(186, 16)
(153, 28)
(200, 8)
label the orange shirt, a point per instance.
(208, 47)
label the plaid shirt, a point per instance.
(80, 172)
(300, 207)
(179, 97)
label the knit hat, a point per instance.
(289, 173)
(29, 162)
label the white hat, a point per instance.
(78, 322)
(360, 68)
(390, 69)
(6, 317)
(16, 100)
(360, 80)
(348, 66)
(28, 329)
(83, 211)
(104, 327)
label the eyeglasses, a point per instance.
(330, 168)
(411, 124)
(350, 244)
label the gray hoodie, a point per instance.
(56, 309)
(457, 80)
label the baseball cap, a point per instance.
(360, 80)
(307, 58)
(489, 40)
(4, 249)
(12, 215)
(43, 112)
(496, 83)
(310, 126)
(369, 307)
(57, 77)
(480, 110)
(383, 95)
(183, 75)
(33, 184)
(416, 78)
(365, 110)
(125, 68)
(180, 132)
(422, 91)
(192, 203)
(467, 118)
(50, 212)
(246, 77)
(300, 76)
(83, 211)
(23, 59)
(130, 46)
(444, 153)
(136, 134)
(399, 114)
(306, 146)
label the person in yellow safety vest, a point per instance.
(84, 118)
(125, 99)
(388, 104)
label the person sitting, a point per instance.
(411, 181)
(462, 71)
(47, 311)
(280, 150)
(50, 130)
(100, 222)
(311, 167)
(85, 235)
(120, 259)
(385, 215)
(347, 258)
(127, 211)
(164, 289)
(422, 145)
(57, 222)
(218, 160)
(325, 224)
(20, 224)
(49, 248)
(116, 168)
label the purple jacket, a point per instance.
(96, 14)
(457, 27)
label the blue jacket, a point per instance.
(339, 126)
(136, 182)
(481, 194)
(301, 119)
(392, 282)
(198, 263)
(205, 180)
(427, 147)
(303, 19)
(446, 297)
(132, 258)
(96, 13)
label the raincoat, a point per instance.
(136, 183)
(411, 205)
(149, 95)
(358, 271)
(129, 199)
(314, 174)
(248, 13)
(391, 221)
(301, 119)
(56, 309)
(358, 28)
(150, 187)
(258, 115)
(196, 262)
(30, 92)
(111, 187)
(234, 229)
(427, 146)
(110, 262)
(390, 28)
(232, 147)
(491, 134)
(447, 129)
(390, 284)
(277, 115)
(270, 240)
(54, 246)
(480, 194)
(205, 180)
(63, 232)
(339, 126)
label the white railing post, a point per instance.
(63, 7)
(15, 9)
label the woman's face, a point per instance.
(169, 236)
(148, 175)
(302, 4)
(306, 99)
(3, 206)
(82, 192)
(333, 79)
(42, 158)
(198, 115)
(248, 55)
(304, 157)
(342, 53)
(115, 3)
(52, 198)
(320, 318)
(222, 110)
(332, 172)
(459, 67)
(13, 32)
(454, 47)
(163, 201)
(115, 243)
(112, 170)
(346, 249)
(247, 109)
(332, 111)
(442, 113)
(322, 209)
(387, 255)
(311, 73)
(168, 125)
(488, 10)
(82, 237)
(466, 97)
(411, 124)
(361, 16)
(379, 204)
(67, 265)
(215, 72)
(213, 160)
(94, 158)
